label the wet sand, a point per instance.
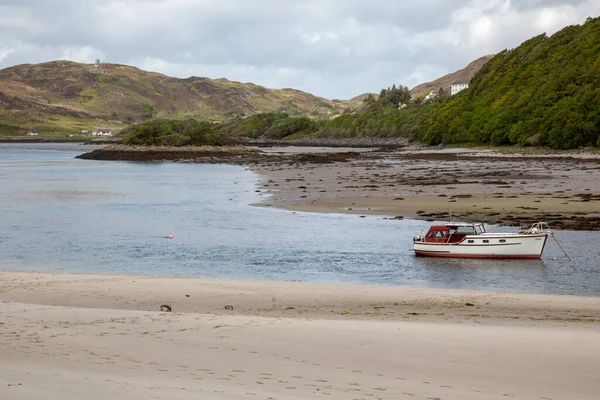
(73, 336)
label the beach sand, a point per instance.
(74, 336)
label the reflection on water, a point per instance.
(63, 214)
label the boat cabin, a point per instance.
(452, 233)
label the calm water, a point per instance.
(58, 213)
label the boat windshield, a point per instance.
(469, 230)
(479, 229)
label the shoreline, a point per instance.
(74, 336)
(511, 189)
(444, 185)
(312, 300)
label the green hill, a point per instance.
(546, 92)
(68, 97)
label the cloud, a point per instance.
(4, 52)
(332, 48)
(81, 54)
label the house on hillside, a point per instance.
(431, 95)
(102, 132)
(32, 133)
(458, 87)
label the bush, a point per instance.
(161, 132)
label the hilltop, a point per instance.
(67, 97)
(462, 75)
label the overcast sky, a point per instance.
(331, 48)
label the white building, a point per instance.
(431, 95)
(458, 87)
(32, 133)
(102, 132)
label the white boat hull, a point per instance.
(488, 245)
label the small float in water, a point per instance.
(464, 240)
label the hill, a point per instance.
(546, 92)
(462, 75)
(67, 97)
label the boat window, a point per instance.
(502, 240)
(479, 229)
(470, 241)
(486, 241)
(466, 229)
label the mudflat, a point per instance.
(73, 336)
(511, 187)
(514, 189)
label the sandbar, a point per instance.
(73, 336)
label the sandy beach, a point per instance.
(74, 336)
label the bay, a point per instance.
(59, 213)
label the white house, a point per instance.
(458, 87)
(431, 95)
(102, 132)
(32, 133)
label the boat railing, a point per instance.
(537, 228)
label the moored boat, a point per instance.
(464, 240)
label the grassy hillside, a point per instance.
(67, 97)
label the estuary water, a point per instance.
(59, 213)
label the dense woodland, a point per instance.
(545, 92)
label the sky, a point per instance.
(337, 49)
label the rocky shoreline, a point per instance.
(216, 155)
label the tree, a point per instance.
(147, 111)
